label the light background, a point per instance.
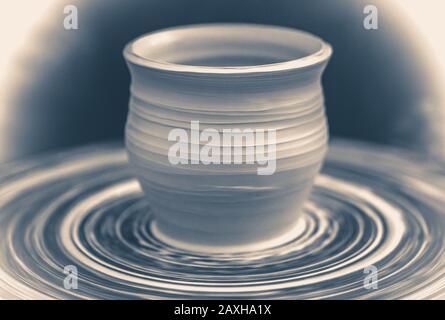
(21, 21)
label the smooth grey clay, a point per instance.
(226, 76)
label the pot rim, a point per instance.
(313, 59)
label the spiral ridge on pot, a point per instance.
(255, 90)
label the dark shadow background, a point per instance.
(376, 85)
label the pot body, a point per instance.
(262, 85)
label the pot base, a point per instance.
(178, 241)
